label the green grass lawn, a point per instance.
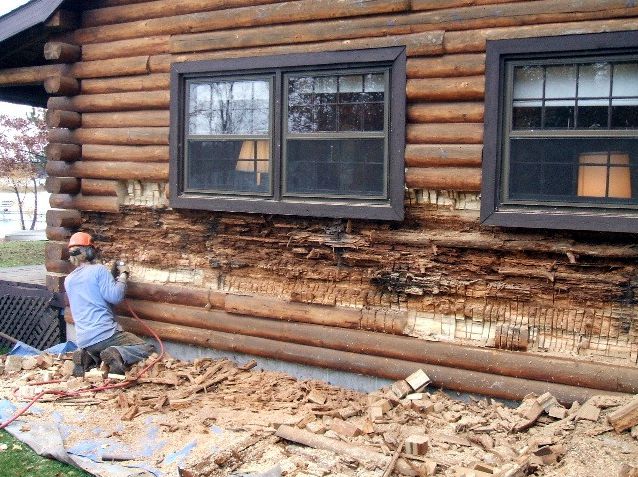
(18, 460)
(14, 254)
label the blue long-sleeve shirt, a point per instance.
(92, 291)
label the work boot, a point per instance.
(82, 362)
(113, 359)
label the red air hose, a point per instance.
(104, 387)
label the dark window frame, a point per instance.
(389, 208)
(494, 211)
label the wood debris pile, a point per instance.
(248, 422)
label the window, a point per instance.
(314, 134)
(561, 142)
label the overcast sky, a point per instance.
(7, 108)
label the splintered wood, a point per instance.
(242, 421)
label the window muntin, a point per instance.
(335, 140)
(228, 135)
(571, 133)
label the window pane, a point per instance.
(625, 79)
(559, 114)
(229, 165)
(528, 82)
(229, 107)
(526, 115)
(594, 80)
(574, 170)
(336, 103)
(593, 113)
(560, 82)
(345, 167)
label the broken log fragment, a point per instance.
(625, 416)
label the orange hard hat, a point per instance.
(81, 239)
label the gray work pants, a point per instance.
(131, 348)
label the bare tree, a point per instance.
(22, 160)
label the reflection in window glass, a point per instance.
(229, 107)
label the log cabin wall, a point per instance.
(436, 275)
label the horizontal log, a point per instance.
(171, 305)
(441, 133)
(64, 218)
(464, 112)
(466, 179)
(82, 203)
(115, 136)
(134, 65)
(59, 234)
(288, 12)
(127, 119)
(195, 297)
(446, 66)
(385, 321)
(416, 44)
(102, 187)
(446, 89)
(152, 45)
(95, 103)
(160, 8)
(310, 32)
(151, 82)
(62, 185)
(62, 52)
(62, 20)
(30, 74)
(449, 378)
(443, 155)
(56, 250)
(62, 152)
(475, 41)
(62, 85)
(109, 170)
(440, 4)
(97, 152)
(63, 119)
(58, 266)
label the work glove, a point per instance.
(122, 271)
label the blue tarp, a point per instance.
(23, 349)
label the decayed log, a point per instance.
(97, 152)
(440, 133)
(63, 152)
(62, 85)
(625, 416)
(151, 82)
(152, 45)
(126, 119)
(63, 119)
(287, 12)
(102, 187)
(160, 8)
(341, 29)
(475, 40)
(62, 20)
(539, 368)
(446, 89)
(444, 155)
(449, 378)
(446, 66)
(134, 65)
(62, 52)
(94, 103)
(444, 178)
(62, 185)
(416, 44)
(64, 218)
(465, 112)
(109, 170)
(58, 266)
(56, 250)
(55, 282)
(30, 74)
(58, 233)
(115, 136)
(386, 321)
(80, 202)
